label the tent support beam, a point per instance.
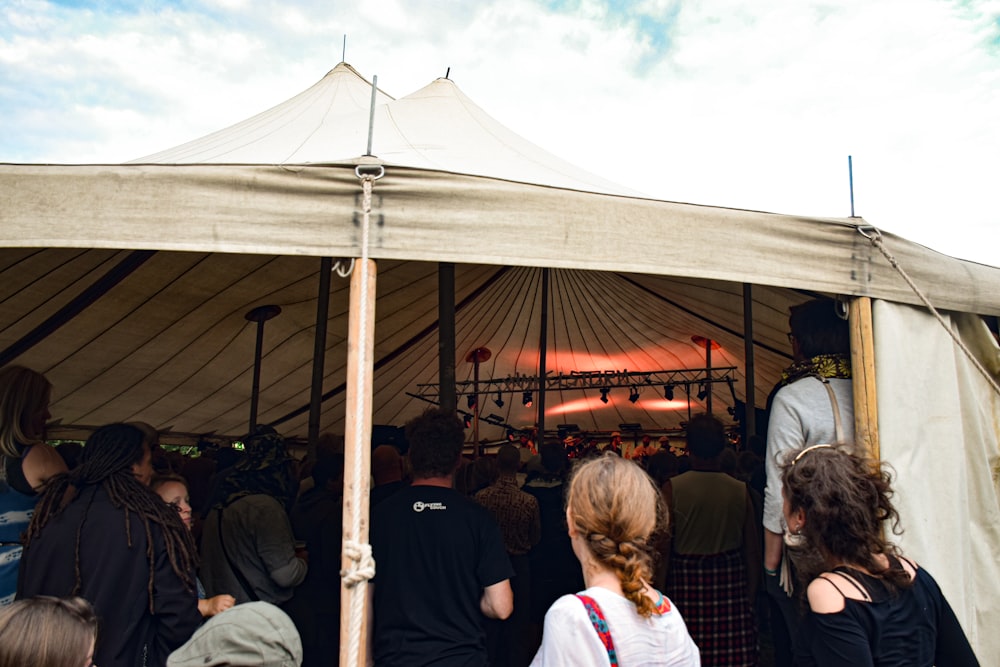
(750, 370)
(319, 354)
(863, 374)
(357, 451)
(543, 343)
(446, 336)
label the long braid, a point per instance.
(107, 461)
(616, 508)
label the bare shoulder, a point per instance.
(825, 594)
(41, 462)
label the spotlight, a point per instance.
(468, 420)
(499, 400)
(702, 391)
(604, 394)
(633, 394)
(471, 400)
(526, 399)
(668, 392)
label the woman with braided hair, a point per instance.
(99, 533)
(613, 511)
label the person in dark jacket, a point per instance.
(247, 544)
(317, 519)
(99, 533)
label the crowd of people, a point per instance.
(120, 553)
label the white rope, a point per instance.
(341, 270)
(875, 236)
(363, 565)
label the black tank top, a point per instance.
(15, 473)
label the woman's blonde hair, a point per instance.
(617, 510)
(23, 394)
(55, 632)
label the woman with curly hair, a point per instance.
(613, 511)
(54, 632)
(100, 533)
(868, 604)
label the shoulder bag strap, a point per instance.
(838, 426)
(247, 588)
(601, 625)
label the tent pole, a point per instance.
(357, 566)
(357, 452)
(750, 370)
(708, 375)
(863, 374)
(260, 315)
(446, 337)
(319, 354)
(543, 339)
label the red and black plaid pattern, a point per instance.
(711, 594)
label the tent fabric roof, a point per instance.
(326, 118)
(437, 216)
(437, 127)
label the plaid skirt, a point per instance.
(711, 594)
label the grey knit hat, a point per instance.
(254, 634)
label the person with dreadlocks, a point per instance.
(248, 547)
(100, 534)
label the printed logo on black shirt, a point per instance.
(420, 506)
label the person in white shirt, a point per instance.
(612, 511)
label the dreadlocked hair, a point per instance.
(618, 510)
(106, 463)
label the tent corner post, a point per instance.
(863, 376)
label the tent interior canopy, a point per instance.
(128, 285)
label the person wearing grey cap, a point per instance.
(254, 634)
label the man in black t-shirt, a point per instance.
(440, 560)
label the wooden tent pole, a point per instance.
(357, 566)
(357, 452)
(863, 373)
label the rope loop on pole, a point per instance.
(362, 567)
(343, 267)
(875, 236)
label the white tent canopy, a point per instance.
(239, 218)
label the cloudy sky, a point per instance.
(744, 104)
